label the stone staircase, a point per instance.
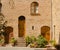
(21, 42)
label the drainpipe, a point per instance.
(54, 32)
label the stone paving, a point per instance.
(24, 48)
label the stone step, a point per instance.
(20, 38)
(21, 45)
(21, 42)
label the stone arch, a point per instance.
(9, 29)
(45, 31)
(21, 26)
(34, 7)
(21, 18)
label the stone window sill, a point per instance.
(35, 14)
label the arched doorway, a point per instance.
(21, 26)
(45, 31)
(8, 34)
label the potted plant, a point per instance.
(1, 41)
(53, 42)
(33, 43)
(28, 40)
(39, 42)
(33, 39)
(42, 42)
(13, 41)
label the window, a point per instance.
(34, 8)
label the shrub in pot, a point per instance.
(13, 41)
(28, 40)
(39, 42)
(42, 42)
(53, 42)
(33, 39)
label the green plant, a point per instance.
(41, 41)
(12, 40)
(33, 39)
(1, 40)
(53, 42)
(28, 40)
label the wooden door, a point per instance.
(45, 31)
(21, 27)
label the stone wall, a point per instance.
(56, 18)
(22, 7)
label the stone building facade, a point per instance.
(56, 18)
(15, 10)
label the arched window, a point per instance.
(34, 8)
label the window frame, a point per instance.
(34, 8)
